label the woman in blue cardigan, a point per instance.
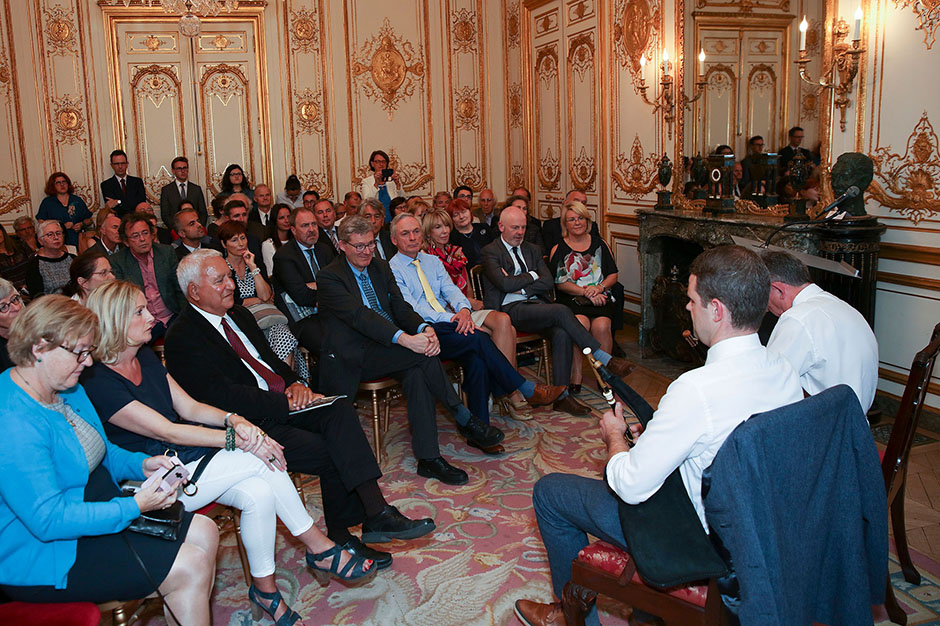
(63, 519)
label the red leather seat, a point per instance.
(52, 614)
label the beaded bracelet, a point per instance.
(230, 438)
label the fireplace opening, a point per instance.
(672, 257)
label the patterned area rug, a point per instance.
(486, 551)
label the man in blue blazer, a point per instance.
(122, 192)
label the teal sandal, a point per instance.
(289, 618)
(352, 575)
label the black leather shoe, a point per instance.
(355, 547)
(442, 470)
(391, 524)
(571, 406)
(480, 435)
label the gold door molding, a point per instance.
(514, 100)
(581, 93)
(151, 86)
(910, 183)
(14, 182)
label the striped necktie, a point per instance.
(371, 297)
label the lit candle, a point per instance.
(643, 67)
(701, 61)
(858, 23)
(665, 63)
(803, 26)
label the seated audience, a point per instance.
(63, 205)
(786, 154)
(373, 211)
(218, 355)
(551, 228)
(108, 240)
(379, 187)
(585, 272)
(736, 174)
(236, 209)
(180, 190)
(427, 287)
(297, 265)
(191, 231)
(278, 234)
(469, 236)
(441, 200)
(487, 214)
(218, 216)
(370, 331)
(255, 293)
(724, 149)
(311, 197)
(122, 192)
(235, 181)
(517, 281)
(143, 409)
(164, 235)
(89, 269)
(48, 270)
(325, 215)
(25, 229)
(260, 213)
(65, 534)
(14, 258)
(728, 290)
(398, 205)
(11, 303)
(351, 201)
(418, 207)
(151, 266)
(533, 230)
(291, 194)
(755, 146)
(825, 339)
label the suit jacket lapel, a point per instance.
(379, 286)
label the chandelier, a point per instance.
(191, 10)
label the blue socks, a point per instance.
(462, 415)
(527, 388)
(602, 356)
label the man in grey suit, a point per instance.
(172, 194)
(516, 280)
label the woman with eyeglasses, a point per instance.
(88, 270)
(63, 520)
(48, 271)
(11, 303)
(62, 204)
(584, 270)
(235, 181)
(144, 409)
(378, 186)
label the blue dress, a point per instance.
(76, 211)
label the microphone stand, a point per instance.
(831, 218)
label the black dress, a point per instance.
(472, 243)
(585, 267)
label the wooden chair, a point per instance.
(526, 343)
(894, 462)
(125, 613)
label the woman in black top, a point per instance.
(469, 236)
(48, 271)
(11, 303)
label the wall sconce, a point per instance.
(844, 65)
(665, 102)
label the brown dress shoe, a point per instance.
(620, 367)
(545, 394)
(538, 614)
(571, 406)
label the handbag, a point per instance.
(165, 523)
(267, 315)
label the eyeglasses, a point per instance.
(53, 233)
(81, 354)
(180, 168)
(576, 218)
(17, 299)
(361, 247)
(464, 196)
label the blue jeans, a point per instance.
(567, 508)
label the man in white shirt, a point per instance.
(826, 340)
(728, 290)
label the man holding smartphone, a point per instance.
(729, 287)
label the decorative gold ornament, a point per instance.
(581, 54)
(910, 184)
(389, 71)
(580, 10)
(221, 41)
(305, 31)
(60, 31)
(842, 69)
(515, 105)
(583, 171)
(745, 6)
(152, 43)
(471, 176)
(464, 30)
(156, 83)
(761, 79)
(809, 104)
(413, 175)
(516, 176)
(928, 17)
(467, 108)
(69, 119)
(512, 24)
(635, 31)
(308, 112)
(636, 175)
(317, 181)
(546, 63)
(223, 82)
(549, 171)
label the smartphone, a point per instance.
(169, 480)
(387, 173)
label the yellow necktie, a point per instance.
(427, 288)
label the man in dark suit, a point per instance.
(296, 266)
(791, 149)
(516, 280)
(122, 192)
(325, 213)
(261, 211)
(192, 234)
(487, 213)
(370, 331)
(372, 210)
(217, 353)
(173, 193)
(151, 266)
(108, 240)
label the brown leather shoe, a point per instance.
(545, 394)
(538, 614)
(571, 406)
(620, 367)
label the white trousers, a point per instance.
(241, 480)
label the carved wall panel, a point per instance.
(308, 112)
(158, 119)
(928, 17)
(70, 120)
(763, 96)
(719, 106)
(466, 83)
(390, 90)
(14, 184)
(548, 120)
(909, 183)
(581, 79)
(515, 98)
(225, 101)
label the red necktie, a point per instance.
(123, 187)
(275, 382)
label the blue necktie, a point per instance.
(312, 261)
(371, 297)
(386, 201)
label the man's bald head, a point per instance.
(512, 223)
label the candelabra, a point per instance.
(666, 100)
(842, 69)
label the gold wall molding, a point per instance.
(14, 189)
(582, 167)
(926, 255)
(516, 176)
(69, 119)
(636, 30)
(626, 220)
(466, 81)
(581, 53)
(309, 105)
(512, 25)
(464, 30)
(580, 10)
(472, 176)
(466, 108)
(910, 183)
(549, 171)
(928, 17)
(745, 6)
(223, 82)
(907, 280)
(389, 70)
(583, 171)
(635, 175)
(304, 31)
(60, 31)
(514, 102)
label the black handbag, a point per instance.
(165, 523)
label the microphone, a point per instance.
(851, 192)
